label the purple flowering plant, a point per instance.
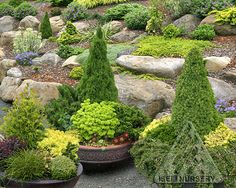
(228, 108)
(25, 58)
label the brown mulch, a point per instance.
(48, 73)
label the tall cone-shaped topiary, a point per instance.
(45, 27)
(195, 100)
(97, 83)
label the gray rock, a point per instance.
(8, 37)
(57, 24)
(124, 36)
(71, 62)
(14, 72)
(82, 25)
(221, 29)
(8, 88)
(163, 67)
(45, 91)
(231, 122)
(152, 96)
(222, 90)
(7, 23)
(215, 64)
(30, 22)
(188, 22)
(114, 26)
(5, 65)
(230, 76)
(48, 58)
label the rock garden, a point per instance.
(90, 84)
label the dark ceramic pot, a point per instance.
(46, 183)
(104, 155)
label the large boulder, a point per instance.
(71, 62)
(215, 64)
(57, 24)
(48, 58)
(45, 91)
(222, 90)
(162, 67)
(14, 72)
(230, 76)
(30, 22)
(188, 22)
(8, 88)
(7, 23)
(221, 29)
(152, 96)
(7, 37)
(124, 36)
(5, 65)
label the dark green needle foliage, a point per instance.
(97, 83)
(45, 27)
(195, 100)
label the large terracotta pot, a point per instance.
(46, 183)
(104, 155)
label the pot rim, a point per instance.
(49, 181)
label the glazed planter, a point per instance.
(104, 155)
(46, 183)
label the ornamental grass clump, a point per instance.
(194, 99)
(97, 83)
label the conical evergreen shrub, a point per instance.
(194, 101)
(45, 27)
(97, 83)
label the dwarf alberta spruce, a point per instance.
(96, 119)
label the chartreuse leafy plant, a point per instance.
(65, 51)
(94, 3)
(158, 46)
(25, 120)
(45, 27)
(226, 16)
(57, 143)
(76, 73)
(171, 31)
(62, 168)
(26, 165)
(95, 120)
(97, 83)
(194, 99)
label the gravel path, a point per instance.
(122, 176)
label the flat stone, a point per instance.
(48, 58)
(231, 76)
(222, 90)
(152, 96)
(162, 67)
(71, 62)
(14, 72)
(215, 64)
(124, 36)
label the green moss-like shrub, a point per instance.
(171, 31)
(6, 10)
(204, 32)
(112, 51)
(119, 11)
(66, 51)
(45, 27)
(97, 83)
(137, 18)
(23, 10)
(76, 73)
(59, 111)
(26, 166)
(15, 3)
(97, 120)
(157, 46)
(194, 99)
(25, 120)
(62, 168)
(60, 2)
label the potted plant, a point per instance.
(34, 156)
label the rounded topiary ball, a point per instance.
(62, 168)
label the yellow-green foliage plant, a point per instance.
(95, 3)
(56, 143)
(227, 16)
